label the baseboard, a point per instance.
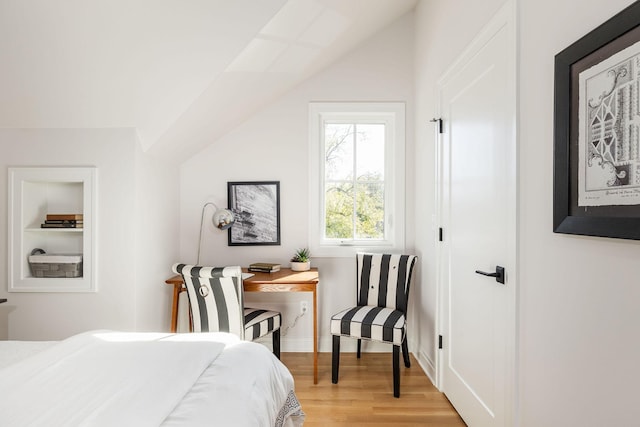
(291, 345)
(350, 345)
(427, 366)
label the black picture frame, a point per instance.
(604, 220)
(256, 207)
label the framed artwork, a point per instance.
(256, 207)
(596, 185)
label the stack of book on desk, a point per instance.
(63, 221)
(264, 267)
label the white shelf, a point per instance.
(53, 230)
(34, 193)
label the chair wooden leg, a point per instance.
(335, 361)
(396, 371)
(359, 347)
(405, 353)
(276, 343)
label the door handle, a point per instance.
(499, 274)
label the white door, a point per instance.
(477, 154)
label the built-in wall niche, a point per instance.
(34, 193)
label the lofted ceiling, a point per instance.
(182, 72)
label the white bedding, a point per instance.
(108, 378)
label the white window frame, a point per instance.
(393, 115)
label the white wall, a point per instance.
(273, 145)
(130, 274)
(57, 315)
(156, 238)
(578, 315)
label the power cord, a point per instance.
(285, 330)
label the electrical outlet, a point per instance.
(303, 307)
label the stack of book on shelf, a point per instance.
(63, 221)
(264, 267)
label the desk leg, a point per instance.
(315, 338)
(174, 308)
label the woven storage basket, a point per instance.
(52, 265)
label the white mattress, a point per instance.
(102, 378)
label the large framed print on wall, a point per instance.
(597, 131)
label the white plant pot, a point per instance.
(300, 266)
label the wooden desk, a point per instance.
(284, 280)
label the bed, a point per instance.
(106, 378)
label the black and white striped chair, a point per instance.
(383, 283)
(216, 301)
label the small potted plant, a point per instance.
(300, 260)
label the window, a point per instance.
(357, 177)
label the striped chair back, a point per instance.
(383, 280)
(215, 297)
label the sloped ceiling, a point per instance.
(181, 72)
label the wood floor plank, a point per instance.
(364, 393)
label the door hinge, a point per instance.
(439, 122)
(440, 234)
(440, 342)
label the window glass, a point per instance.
(370, 149)
(338, 149)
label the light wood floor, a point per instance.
(364, 393)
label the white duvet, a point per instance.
(143, 379)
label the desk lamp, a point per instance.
(223, 219)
